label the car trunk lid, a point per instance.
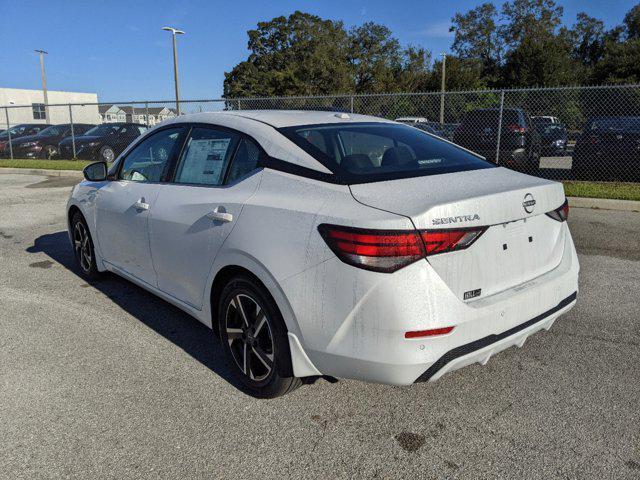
(520, 242)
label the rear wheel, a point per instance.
(254, 339)
(83, 247)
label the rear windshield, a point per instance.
(368, 152)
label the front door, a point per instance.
(124, 205)
(195, 213)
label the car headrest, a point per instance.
(397, 156)
(357, 162)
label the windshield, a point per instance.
(15, 130)
(104, 129)
(51, 131)
(367, 152)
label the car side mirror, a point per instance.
(95, 172)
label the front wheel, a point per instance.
(49, 152)
(83, 247)
(254, 339)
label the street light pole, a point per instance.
(175, 32)
(444, 68)
(44, 84)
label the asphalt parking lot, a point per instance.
(105, 380)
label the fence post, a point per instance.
(351, 102)
(146, 113)
(73, 135)
(499, 127)
(6, 112)
(239, 107)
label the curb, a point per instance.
(575, 202)
(605, 204)
(41, 171)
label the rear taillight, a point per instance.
(561, 213)
(389, 250)
(440, 241)
(434, 332)
(516, 128)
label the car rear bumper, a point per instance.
(363, 336)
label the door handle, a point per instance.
(141, 205)
(220, 216)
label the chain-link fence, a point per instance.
(586, 133)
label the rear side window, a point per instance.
(206, 156)
(245, 160)
(366, 152)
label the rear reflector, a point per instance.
(389, 250)
(429, 333)
(561, 213)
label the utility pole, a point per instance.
(175, 32)
(444, 69)
(44, 84)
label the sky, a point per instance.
(118, 50)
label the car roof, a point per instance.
(282, 118)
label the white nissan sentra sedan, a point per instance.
(323, 244)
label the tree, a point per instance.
(375, 57)
(587, 36)
(528, 20)
(297, 55)
(476, 36)
(632, 23)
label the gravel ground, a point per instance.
(107, 381)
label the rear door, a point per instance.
(123, 205)
(196, 211)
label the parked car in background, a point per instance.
(323, 244)
(103, 142)
(608, 148)
(545, 119)
(553, 136)
(45, 143)
(18, 131)
(519, 141)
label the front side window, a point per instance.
(39, 112)
(367, 152)
(148, 160)
(206, 157)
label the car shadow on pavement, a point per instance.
(172, 323)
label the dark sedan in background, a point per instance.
(519, 141)
(103, 142)
(553, 136)
(18, 131)
(45, 143)
(608, 149)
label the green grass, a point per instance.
(46, 164)
(615, 190)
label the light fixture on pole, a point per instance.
(174, 32)
(44, 84)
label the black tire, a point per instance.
(254, 339)
(48, 152)
(107, 154)
(83, 248)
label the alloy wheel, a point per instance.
(250, 337)
(82, 246)
(108, 155)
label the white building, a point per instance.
(32, 108)
(126, 113)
